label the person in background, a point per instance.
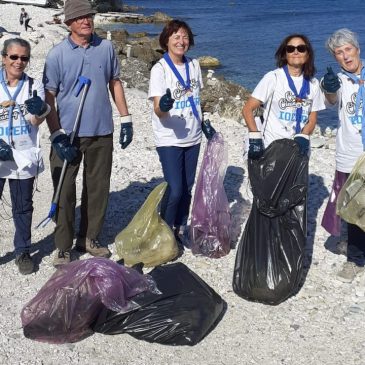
(25, 19)
(83, 53)
(174, 88)
(346, 90)
(290, 96)
(22, 109)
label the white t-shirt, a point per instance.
(28, 160)
(348, 140)
(280, 105)
(179, 127)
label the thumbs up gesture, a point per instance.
(36, 105)
(166, 101)
(330, 82)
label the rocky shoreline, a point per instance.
(321, 325)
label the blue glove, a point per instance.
(36, 105)
(6, 153)
(63, 147)
(303, 143)
(330, 82)
(126, 133)
(207, 129)
(166, 101)
(256, 145)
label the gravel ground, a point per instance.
(322, 324)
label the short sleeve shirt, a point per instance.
(348, 139)
(98, 62)
(281, 105)
(180, 127)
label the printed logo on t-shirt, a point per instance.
(19, 130)
(180, 92)
(290, 101)
(356, 120)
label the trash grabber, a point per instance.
(83, 85)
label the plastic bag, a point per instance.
(351, 199)
(69, 302)
(186, 311)
(331, 221)
(269, 260)
(210, 216)
(147, 238)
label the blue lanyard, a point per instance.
(303, 93)
(12, 98)
(186, 85)
(360, 98)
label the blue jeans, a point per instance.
(179, 168)
(21, 193)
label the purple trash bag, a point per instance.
(210, 217)
(69, 302)
(331, 222)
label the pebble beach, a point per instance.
(322, 324)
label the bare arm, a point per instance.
(52, 118)
(117, 91)
(248, 113)
(309, 127)
(331, 98)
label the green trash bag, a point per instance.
(351, 199)
(147, 238)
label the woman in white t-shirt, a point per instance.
(21, 111)
(343, 90)
(290, 96)
(174, 89)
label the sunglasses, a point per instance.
(14, 57)
(302, 48)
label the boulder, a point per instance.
(208, 61)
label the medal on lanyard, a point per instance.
(186, 85)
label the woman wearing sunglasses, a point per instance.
(290, 96)
(21, 111)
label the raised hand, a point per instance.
(36, 105)
(330, 82)
(166, 101)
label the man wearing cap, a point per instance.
(83, 53)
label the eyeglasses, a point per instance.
(14, 57)
(302, 48)
(80, 19)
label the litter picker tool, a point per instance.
(83, 85)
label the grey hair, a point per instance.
(340, 38)
(15, 42)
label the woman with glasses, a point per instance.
(290, 96)
(22, 109)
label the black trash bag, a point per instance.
(186, 311)
(269, 260)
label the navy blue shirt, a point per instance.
(64, 64)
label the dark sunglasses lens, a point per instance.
(22, 58)
(302, 48)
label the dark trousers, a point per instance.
(96, 154)
(179, 168)
(356, 243)
(21, 193)
(26, 25)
